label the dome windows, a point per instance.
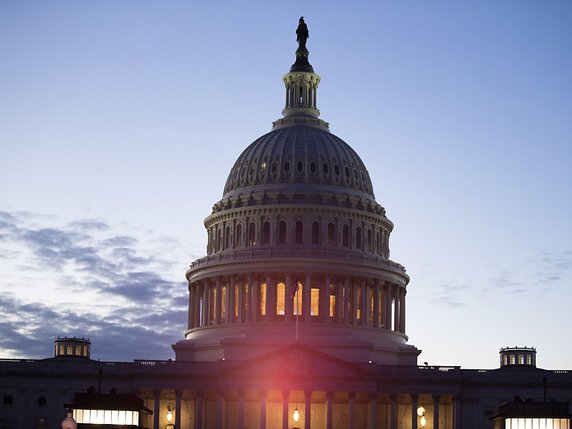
(365, 237)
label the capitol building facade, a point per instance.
(297, 314)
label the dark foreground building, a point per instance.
(296, 314)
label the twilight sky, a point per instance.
(119, 122)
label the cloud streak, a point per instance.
(85, 279)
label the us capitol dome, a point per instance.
(298, 248)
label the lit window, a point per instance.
(262, 297)
(298, 299)
(280, 298)
(223, 302)
(314, 301)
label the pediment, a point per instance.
(295, 361)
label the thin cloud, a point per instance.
(112, 292)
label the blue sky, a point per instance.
(119, 122)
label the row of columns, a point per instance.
(357, 236)
(301, 92)
(263, 398)
(379, 303)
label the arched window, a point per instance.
(238, 237)
(359, 238)
(369, 240)
(280, 298)
(346, 236)
(251, 234)
(299, 232)
(282, 232)
(331, 234)
(265, 233)
(227, 238)
(315, 233)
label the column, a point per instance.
(329, 410)
(241, 394)
(249, 299)
(436, 411)
(366, 307)
(414, 406)
(240, 288)
(372, 420)
(355, 303)
(220, 423)
(457, 414)
(325, 300)
(288, 301)
(156, 408)
(306, 291)
(177, 408)
(285, 396)
(402, 293)
(396, 309)
(270, 302)
(351, 410)
(307, 409)
(256, 298)
(231, 299)
(263, 408)
(199, 410)
(218, 303)
(197, 311)
(253, 290)
(393, 416)
(192, 297)
(388, 301)
(345, 313)
(339, 301)
(376, 304)
(206, 303)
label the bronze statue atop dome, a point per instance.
(302, 33)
